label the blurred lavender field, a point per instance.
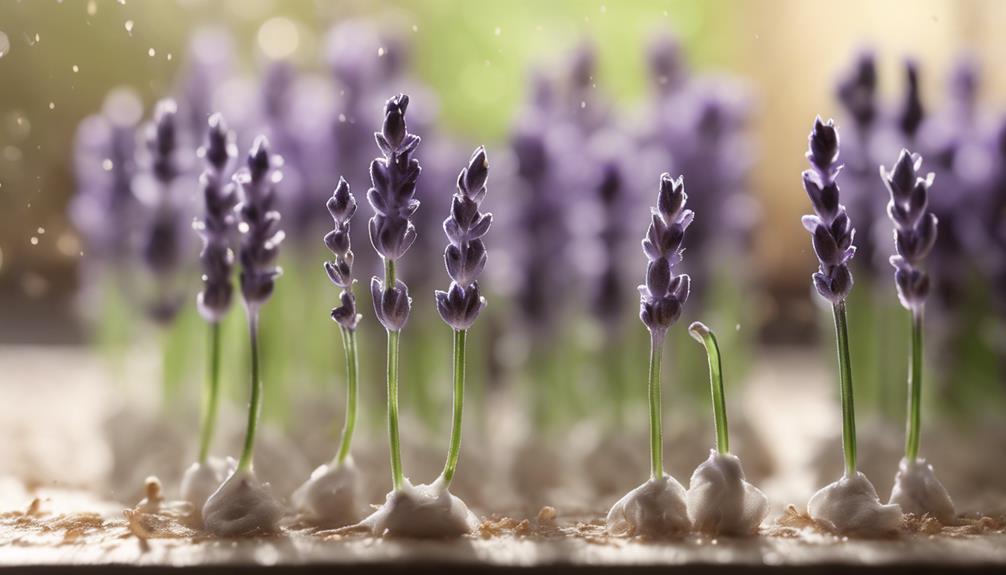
(581, 106)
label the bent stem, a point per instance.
(845, 374)
(352, 367)
(255, 403)
(397, 477)
(460, 335)
(656, 433)
(914, 424)
(707, 338)
(211, 393)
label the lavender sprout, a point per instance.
(702, 334)
(392, 233)
(259, 248)
(465, 258)
(341, 206)
(832, 234)
(216, 229)
(663, 294)
(914, 237)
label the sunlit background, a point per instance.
(73, 342)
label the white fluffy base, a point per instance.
(917, 490)
(240, 506)
(851, 506)
(422, 511)
(330, 497)
(202, 479)
(720, 501)
(656, 508)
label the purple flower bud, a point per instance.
(831, 229)
(391, 306)
(342, 206)
(465, 256)
(663, 295)
(217, 226)
(914, 227)
(261, 236)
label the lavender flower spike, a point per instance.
(663, 295)
(260, 244)
(342, 206)
(162, 248)
(217, 225)
(830, 227)
(914, 227)
(393, 199)
(465, 256)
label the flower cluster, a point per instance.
(217, 226)
(663, 295)
(262, 236)
(342, 206)
(831, 228)
(465, 255)
(914, 227)
(392, 197)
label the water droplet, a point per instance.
(107, 165)
(415, 28)
(583, 104)
(380, 52)
(92, 7)
(342, 118)
(498, 31)
(4, 44)
(243, 227)
(169, 56)
(151, 52)
(52, 105)
(76, 68)
(129, 27)
(41, 231)
(34, 240)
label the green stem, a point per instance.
(397, 477)
(915, 389)
(255, 403)
(460, 335)
(707, 338)
(845, 373)
(352, 367)
(211, 393)
(656, 433)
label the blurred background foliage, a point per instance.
(63, 56)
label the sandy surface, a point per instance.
(64, 478)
